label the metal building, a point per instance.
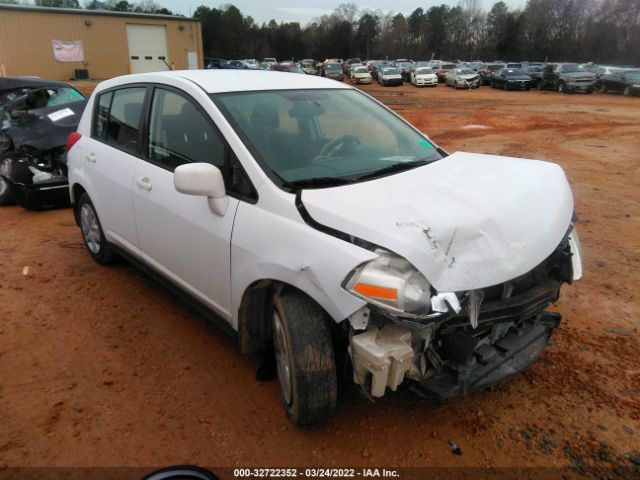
(64, 44)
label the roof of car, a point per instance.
(10, 83)
(220, 81)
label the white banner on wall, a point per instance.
(68, 51)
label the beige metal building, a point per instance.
(63, 44)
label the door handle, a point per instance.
(91, 157)
(144, 183)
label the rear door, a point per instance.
(111, 158)
(179, 234)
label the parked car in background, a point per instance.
(349, 63)
(36, 117)
(404, 67)
(535, 72)
(270, 61)
(515, 65)
(360, 74)
(216, 63)
(374, 66)
(567, 77)
(486, 70)
(442, 68)
(288, 68)
(238, 65)
(333, 71)
(252, 62)
(302, 234)
(309, 66)
(462, 78)
(511, 79)
(424, 76)
(626, 82)
(388, 75)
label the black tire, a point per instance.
(505, 87)
(6, 197)
(627, 91)
(561, 88)
(303, 338)
(540, 85)
(90, 227)
(603, 88)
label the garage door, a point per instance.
(147, 48)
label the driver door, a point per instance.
(179, 235)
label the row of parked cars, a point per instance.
(267, 205)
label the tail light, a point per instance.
(72, 139)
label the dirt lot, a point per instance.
(100, 366)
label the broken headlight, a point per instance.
(391, 282)
(576, 255)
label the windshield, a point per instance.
(633, 76)
(328, 135)
(512, 72)
(571, 67)
(361, 70)
(390, 71)
(334, 66)
(465, 71)
(423, 71)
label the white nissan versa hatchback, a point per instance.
(324, 231)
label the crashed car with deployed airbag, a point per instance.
(324, 232)
(36, 117)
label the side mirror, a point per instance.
(205, 180)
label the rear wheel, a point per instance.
(304, 358)
(92, 234)
(6, 197)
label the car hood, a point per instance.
(467, 76)
(467, 221)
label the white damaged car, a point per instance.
(423, 76)
(324, 232)
(360, 75)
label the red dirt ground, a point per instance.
(101, 367)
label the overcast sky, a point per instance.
(304, 10)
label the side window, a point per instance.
(125, 114)
(102, 115)
(179, 133)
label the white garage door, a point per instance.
(147, 48)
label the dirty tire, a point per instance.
(6, 197)
(627, 91)
(540, 85)
(104, 253)
(561, 87)
(309, 350)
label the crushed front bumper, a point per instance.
(493, 364)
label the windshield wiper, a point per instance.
(396, 167)
(318, 182)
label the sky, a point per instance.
(304, 10)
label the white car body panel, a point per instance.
(468, 221)
(424, 79)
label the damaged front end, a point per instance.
(36, 118)
(36, 179)
(452, 343)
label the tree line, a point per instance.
(602, 31)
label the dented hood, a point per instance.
(467, 221)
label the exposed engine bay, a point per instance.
(481, 338)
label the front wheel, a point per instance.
(540, 85)
(627, 91)
(6, 197)
(92, 233)
(561, 88)
(304, 358)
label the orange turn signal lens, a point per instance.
(374, 291)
